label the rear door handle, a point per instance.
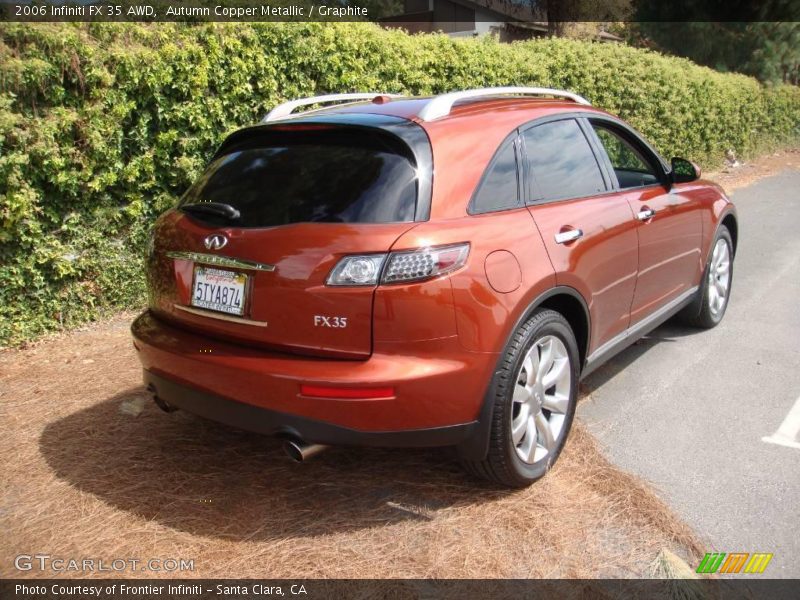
(645, 214)
(564, 237)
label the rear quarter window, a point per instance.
(499, 189)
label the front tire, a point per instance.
(717, 279)
(534, 394)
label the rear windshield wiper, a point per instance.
(216, 209)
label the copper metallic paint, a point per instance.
(435, 343)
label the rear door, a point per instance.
(246, 254)
(669, 225)
(589, 231)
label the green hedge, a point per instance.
(103, 126)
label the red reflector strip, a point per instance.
(319, 391)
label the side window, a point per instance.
(561, 161)
(630, 165)
(499, 189)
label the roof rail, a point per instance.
(440, 106)
(284, 111)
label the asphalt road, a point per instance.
(688, 410)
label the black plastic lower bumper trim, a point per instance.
(269, 422)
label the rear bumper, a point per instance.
(438, 388)
(269, 422)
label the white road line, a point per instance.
(789, 431)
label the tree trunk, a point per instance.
(559, 12)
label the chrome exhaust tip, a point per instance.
(300, 451)
(163, 405)
(160, 402)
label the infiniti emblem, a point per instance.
(215, 241)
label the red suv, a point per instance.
(425, 272)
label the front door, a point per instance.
(669, 224)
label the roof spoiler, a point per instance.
(285, 110)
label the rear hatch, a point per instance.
(246, 254)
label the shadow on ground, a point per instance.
(199, 478)
(667, 333)
(208, 479)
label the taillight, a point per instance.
(400, 267)
(357, 270)
(424, 263)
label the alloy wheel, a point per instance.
(541, 399)
(719, 277)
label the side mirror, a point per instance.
(684, 170)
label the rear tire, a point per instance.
(534, 393)
(715, 290)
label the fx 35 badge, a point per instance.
(335, 322)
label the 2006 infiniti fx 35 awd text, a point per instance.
(425, 271)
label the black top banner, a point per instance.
(535, 13)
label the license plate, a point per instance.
(219, 290)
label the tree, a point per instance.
(763, 41)
(777, 53)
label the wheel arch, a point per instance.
(729, 221)
(568, 302)
(571, 305)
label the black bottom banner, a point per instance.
(398, 589)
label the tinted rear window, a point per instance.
(282, 183)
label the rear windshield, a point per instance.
(331, 182)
